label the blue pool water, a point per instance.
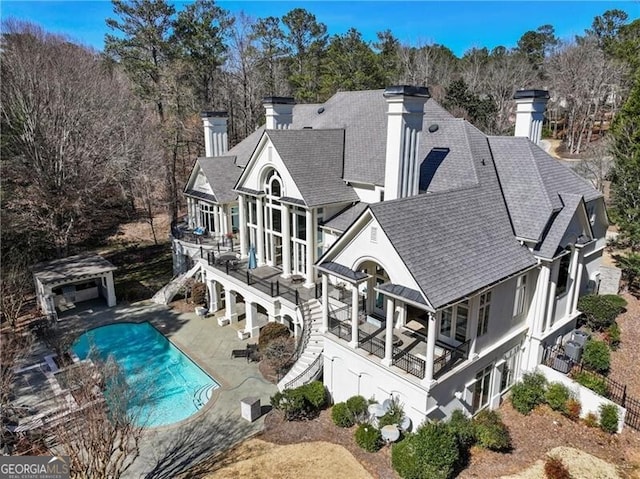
(165, 385)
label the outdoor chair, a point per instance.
(240, 353)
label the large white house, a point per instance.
(412, 255)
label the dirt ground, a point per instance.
(263, 460)
(624, 361)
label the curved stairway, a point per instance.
(309, 365)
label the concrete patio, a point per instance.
(168, 450)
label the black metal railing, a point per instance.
(408, 362)
(306, 332)
(305, 376)
(450, 358)
(340, 329)
(556, 358)
(371, 343)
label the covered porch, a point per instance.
(404, 337)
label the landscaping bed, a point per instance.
(624, 361)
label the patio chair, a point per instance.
(240, 353)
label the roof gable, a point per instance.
(366, 240)
(532, 182)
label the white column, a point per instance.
(551, 300)
(325, 303)
(260, 232)
(296, 329)
(576, 292)
(540, 300)
(431, 349)
(286, 242)
(311, 246)
(214, 295)
(230, 303)
(216, 222)
(354, 316)
(191, 214)
(242, 214)
(472, 329)
(111, 290)
(388, 339)
(251, 326)
(573, 273)
(224, 224)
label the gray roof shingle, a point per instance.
(549, 246)
(314, 160)
(532, 182)
(222, 173)
(457, 242)
(343, 219)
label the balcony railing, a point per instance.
(450, 358)
(401, 358)
(239, 270)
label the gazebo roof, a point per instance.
(71, 268)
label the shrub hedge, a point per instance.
(600, 311)
(341, 415)
(304, 402)
(358, 406)
(528, 393)
(573, 409)
(463, 428)
(609, 418)
(557, 396)
(431, 453)
(491, 432)
(612, 336)
(368, 437)
(588, 380)
(597, 356)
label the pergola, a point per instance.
(62, 283)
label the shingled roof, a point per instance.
(314, 160)
(222, 174)
(532, 182)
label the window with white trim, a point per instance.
(509, 368)
(453, 321)
(482, 389)
(483, 313)
(563, 275)
(374, 234)
(520, 302)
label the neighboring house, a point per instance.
(411, 254)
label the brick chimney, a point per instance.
(530, 107)
(216, 142)
(279, 112)
(405, 112)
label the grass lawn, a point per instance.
(142, 270)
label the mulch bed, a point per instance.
(624, 362)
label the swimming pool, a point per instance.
(166, 386)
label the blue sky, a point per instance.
(458, 25)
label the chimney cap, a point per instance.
(407, 90)
(214, 114)
(522, 94)
(278, 100)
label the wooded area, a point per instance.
(90, 139)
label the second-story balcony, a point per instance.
(409, 343)
(266, 279)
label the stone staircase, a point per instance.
(169, 290)
(309, 364)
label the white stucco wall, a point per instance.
(266, 156)
(590, 401)
(361, 248)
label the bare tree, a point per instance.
(102, 435)
(584, 89)
(279, 353)
(596, 163)
(15, 284)
(15, 346)
(62, 117)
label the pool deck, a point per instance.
(168, 450)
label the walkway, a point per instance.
(168, 450)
